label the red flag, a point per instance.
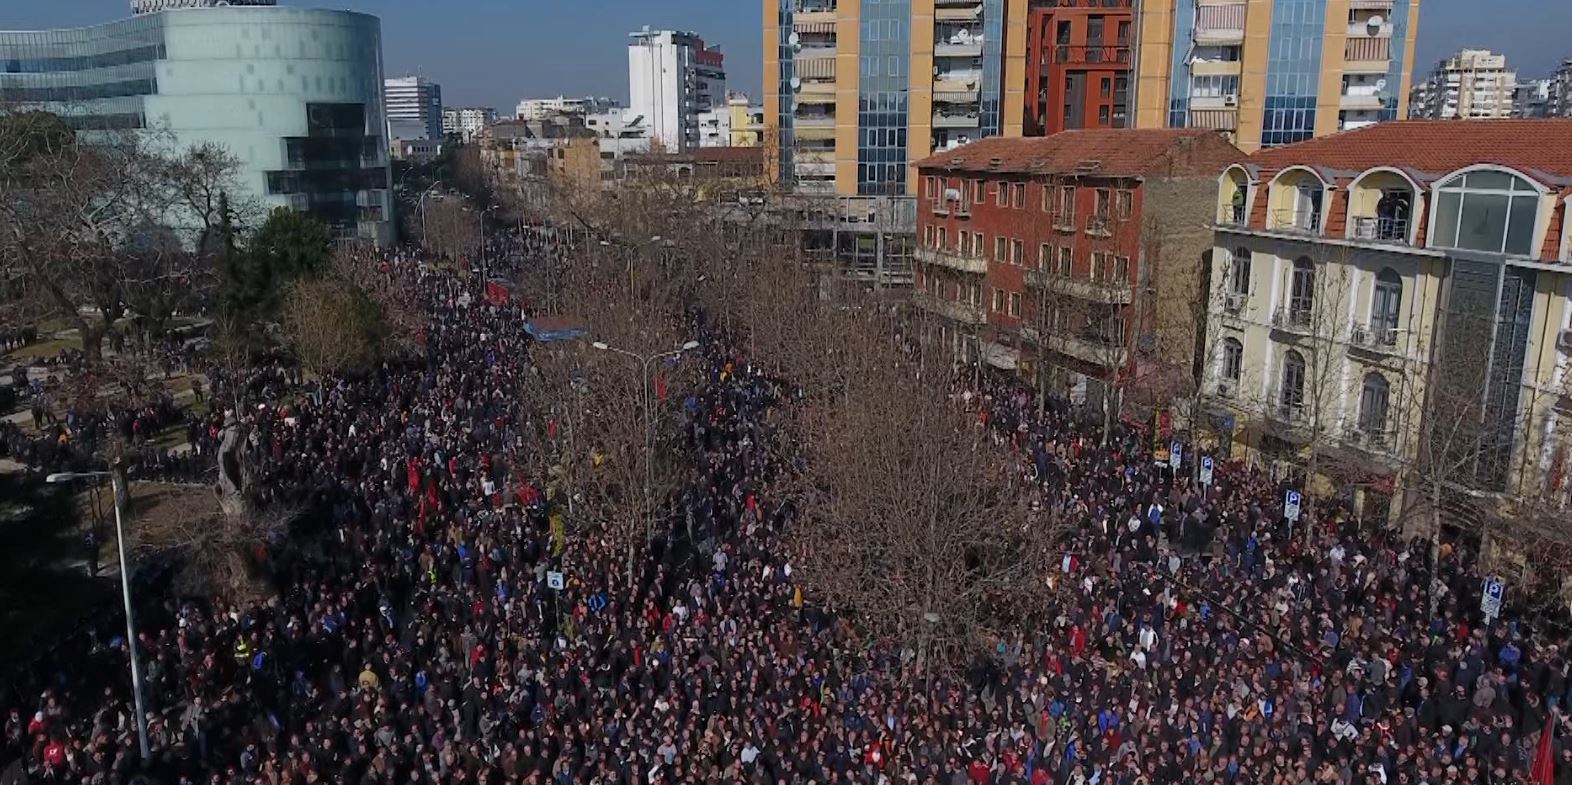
(1544, 771)
(660, 388)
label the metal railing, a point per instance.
(1391, 230)
(1306, 221)
(1233, 215)
(1090, 55)
(1291, 318)
(1099, 224)
(1373, 336)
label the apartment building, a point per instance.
(1079, 57)
(1274, 72)
(467, 123)
(1044, 255)
(737, 124)
(673, 77)
(1558, 92)
(414, 108)
(1398, 299)
(1472, 84)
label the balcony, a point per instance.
(1064, 222)
(1091, 55)
(1091, 349)
(1381, 230)
(1219, 36)
(952, 84)
(1361, 101)
(1288, 410)
(974, 265)
(1296, 221)
(955, 96)
(1232, 215)
(814, 120)
(1367, 54)
(965, 313)
(969, 12)
(966, 48)
(1099, 226)
(1107, 292)
(1293, 319)
(1370, 5)
(942, 119)
(1373, 337)
(1215, 119)
(1379, 441)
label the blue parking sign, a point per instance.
(1206, 470)
(1490, 599)
(1291, 504)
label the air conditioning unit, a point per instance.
(1233, 303)
(1564, 340)
(1225, 388)
(1230, 100)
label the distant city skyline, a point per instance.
(496, 52)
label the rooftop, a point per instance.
(1541, 149)
(1104, 152)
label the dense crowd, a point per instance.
(417, 636)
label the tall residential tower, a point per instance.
(1470, 85)
(672, 78)
(414, 108)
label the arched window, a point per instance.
(1233, 360)
(1301, 291)
(1291, 397)
(1386, 303)
(1239, 272)
(1486, 210)
(1373, 402)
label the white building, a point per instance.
(672, 78)
(620, 131)
(293, 93)
(466, 123)
(1558, 98)
(414, 108)
(154, 6)
(541, 108)
(1470, 85)
(715, 127)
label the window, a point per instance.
(1214, 86)
(1101, 199)
(1373, 398)
(1386, 304)
(940, 241)
(1015, 304)
(1233, 359)
(974, 293)
(1105, 88)
(1065, 208)
(927, 237)
(929, 187)
(963, 243)
(1124, 204)
(1018, 195)
(1099, 266)
(1301, 294)
(1488, 211)
(1239, 272)
(1292, 395)
(978, 246)
(1121, 269)
(1047, 197)
(1066, 260)
(1017, 249)
(1002, 194)
(977, 192)
(998, 249)
(998, 300)
(1045, 257)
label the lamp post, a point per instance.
(485, 276)
(644, 362)
(422, 205)
(117, 485)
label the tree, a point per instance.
(333, 325)
(288, 246)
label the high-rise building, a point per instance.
(1473, 84)
(541, 108)
(414, 108)
(466, 123)
(1274, 72)
(856, 90)
(672, 77)
(1558, 99)
(1531, 98)
(294, 94)
(1078, 61)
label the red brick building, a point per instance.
(1078, 56)
(1077, 259)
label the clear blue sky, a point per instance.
(494, 52)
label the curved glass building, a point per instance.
(295, 94)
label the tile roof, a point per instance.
(1118, 152)
(1539, 148)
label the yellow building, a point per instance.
(1396, 303)
(855, 90)
(1274, 72)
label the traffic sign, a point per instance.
(1206, 470)
(1490, 598)
(554, 580)
(1291, 504)
(1175, 455)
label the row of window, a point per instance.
(1386, 297)
(1059, 200)
(71, 93)
(1054, 260)
(1374, 396)
(51, 65)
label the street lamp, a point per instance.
(422, 205)
(117, 486)
(645, 383)
(485, 277)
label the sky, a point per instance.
(495, 52)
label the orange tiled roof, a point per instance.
(1541, 149)
(1117, 152)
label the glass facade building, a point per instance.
(1293, 71)
(885, 73)
(294, 94)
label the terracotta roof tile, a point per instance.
(1117, 152)
(1539, 148)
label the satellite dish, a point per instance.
(795, 39)
(1380, 84)
(796, 84)
(1374, 22)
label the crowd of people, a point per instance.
(432, 627)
